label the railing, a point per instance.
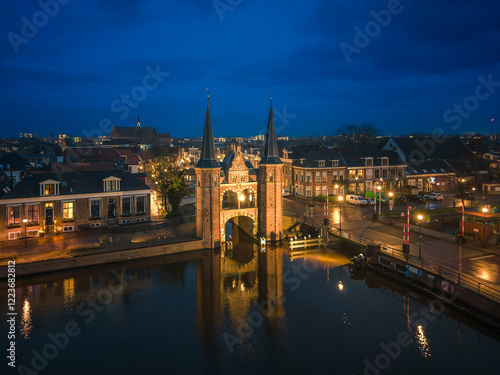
(464, 279)
(303, 243)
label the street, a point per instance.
(436, 247)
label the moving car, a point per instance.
(434, 196)
(416, 198)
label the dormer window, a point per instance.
(369, 162)
(335, 163)
(321, 163)
(111, 184)
(384, 161)
(49, 187)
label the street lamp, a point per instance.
(379, 199)
(484, 225)
(340, 198)
(420, 217)
(25, 221)
(340, 285)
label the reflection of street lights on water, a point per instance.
(25, 221)
(340, 285)
(420, 217)
(484, 225)
(340, 199)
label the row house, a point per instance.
(309, 172)
(53, 203)
(431, 175)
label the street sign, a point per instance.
(402, 214)
(390, 205)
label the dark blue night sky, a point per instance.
(401, 66)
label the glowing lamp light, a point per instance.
(341, 286)
(25, 221)
(391, 194)
(420, 217)
(485, 209)
(242, 197)
(341, 198)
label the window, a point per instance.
(321, 163)
(385, 161)
(360, 173)
(341, 175)
(369, 162)
(308, 177)
(335, 176)
(352, 174)
(14, 215)
(335, 163)
(324, 177)
(384, 173)
(33, 213)
(369, 173)
(308, 192)
(111, 185)
(95, 208)
(271, 177)
(112, 208)
(377, 173)
(125, 206)
(318, 190)
(49, 189)
(325, 191)
(234, 178)
(140, 205)
(318, 177)
(68, 210)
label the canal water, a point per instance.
(248, 310)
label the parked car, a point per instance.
(434, 196)
(357, 200)
(416, 198)
(400, 199)
(467, 196)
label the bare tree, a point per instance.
(358, 137)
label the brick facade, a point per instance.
(208, 205)
(270, 201)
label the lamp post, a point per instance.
(25, 221)
(484, 225)
(340, 199)
(420, 217)
(379, 199)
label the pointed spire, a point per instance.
(270, 154)
(207, 157)
(138, 121)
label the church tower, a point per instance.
(270, 190)
(208, 189)
(138, 121)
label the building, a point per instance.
(65, 202)
(310, 171)
(14, 166)
(139, 134)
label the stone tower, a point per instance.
(270, 193)
(208, 189)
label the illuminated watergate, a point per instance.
(251, 197)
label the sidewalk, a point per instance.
(73, 244)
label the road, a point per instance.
(436, 247)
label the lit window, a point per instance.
(68, 213)
(33, 214)
(14, 215)
(49, 189)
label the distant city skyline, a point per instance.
(403, 66)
